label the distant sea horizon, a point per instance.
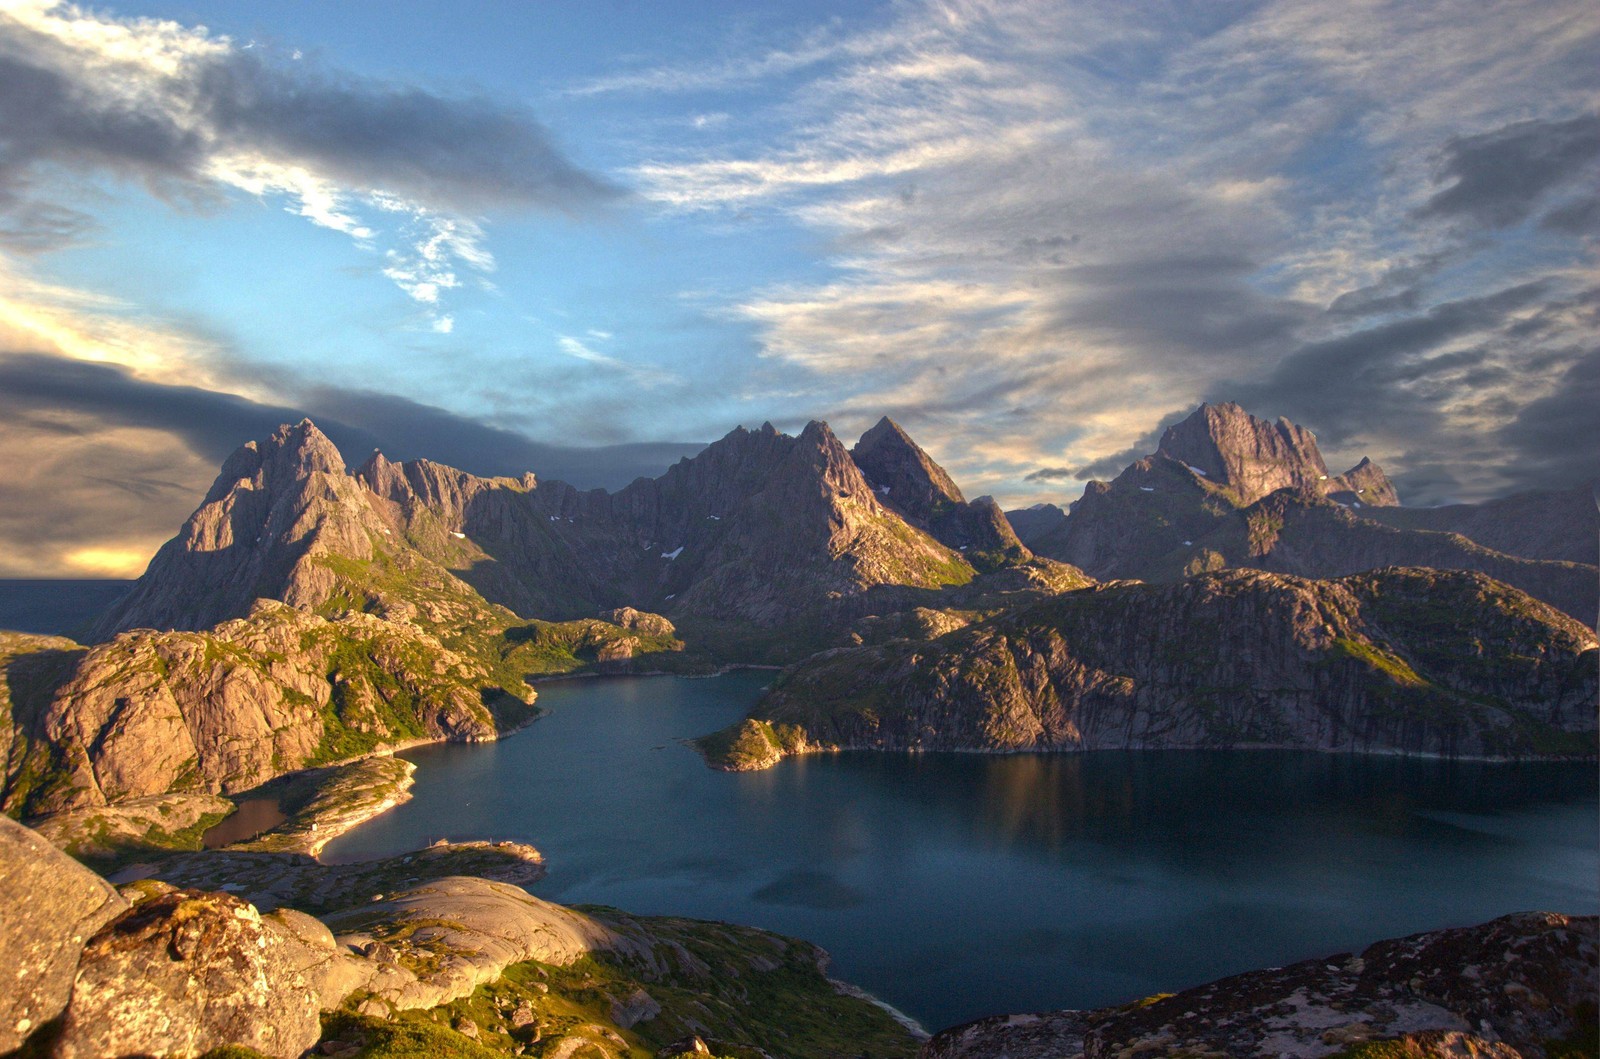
(56, 606)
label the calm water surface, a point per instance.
(959, 885)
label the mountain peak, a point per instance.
(1248, 456)
(902, 473)
(302, 447)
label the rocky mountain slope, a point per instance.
(1520, 987)
(1247, 458)
(1226, 490)
(1419, 661)
(227, 709)
(759, 528)
(908, 482)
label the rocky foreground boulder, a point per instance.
(49, 906)
(185, 972)
(1520, 987)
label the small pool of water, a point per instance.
(251, 818)
(960, 885)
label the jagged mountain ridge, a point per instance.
(758, 528)
(1226, 490)
(1417, 661)
(1561, 525)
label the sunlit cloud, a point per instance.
(401, 171)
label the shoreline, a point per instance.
(1391, 752)
(732, 667)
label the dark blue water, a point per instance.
(958, 885)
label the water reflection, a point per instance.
(957, 885)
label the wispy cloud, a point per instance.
(578, 349)
(1051, 224)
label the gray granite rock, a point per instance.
(49, 906)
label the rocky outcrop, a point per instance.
(226, 710)
(159, 970)
(1362, 486)
(49, 906)
(271, 880)
(185, 972)
(438, 942)
(1416, 661)
(639, 621)
(1520, 986)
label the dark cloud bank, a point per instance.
(454, 152)
(213, 424)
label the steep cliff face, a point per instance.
(1250, 457)
(1411, 660)
(906, 477)
(812, 530)
(278, 506)
(225, 710)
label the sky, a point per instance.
(585, 239)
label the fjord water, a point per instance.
(959, 885)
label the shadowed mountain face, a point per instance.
(1561, 525)
(759, 528)
(1226, 490)
(909, 483)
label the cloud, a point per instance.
(189, 116)
(212, 424)
(67, 511)
(1464, 400)
(1049, 224)
(1499, 178)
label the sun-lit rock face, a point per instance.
(49, 906)
(227, 709)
